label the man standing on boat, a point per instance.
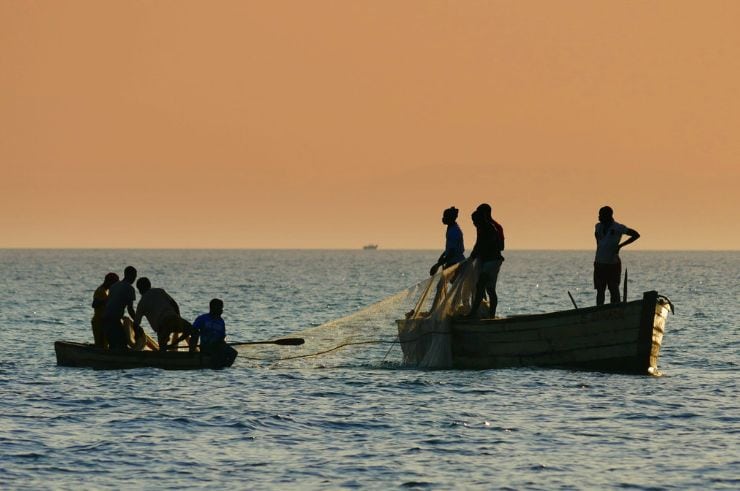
(488, 246)
(100, 299)
(454, 246)
(607, 265)
(163, 315)
(121, 296)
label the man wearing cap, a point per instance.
(607, 265)
(100, 298)
(454, 246)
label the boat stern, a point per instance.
(652, 329)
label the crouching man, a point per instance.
(163, 314)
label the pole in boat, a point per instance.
(283, 342)
(624, 294)
(571, 299)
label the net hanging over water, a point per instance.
(370, 338)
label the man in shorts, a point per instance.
(163, 315)
(607, 265)
(488, 246)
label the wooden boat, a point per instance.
(71, 354)
(624, 337)
(370, 247)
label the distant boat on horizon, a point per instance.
(370, 247)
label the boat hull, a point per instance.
(623, 337)
(71, 354)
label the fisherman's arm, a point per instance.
(130, 308)
(222, 330)
(633, 236)
(442, 259)
(138, 316)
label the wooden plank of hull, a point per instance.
(466, 345)
(621, 337)
(86, 355)
(621, 357)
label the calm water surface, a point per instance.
(365, 425)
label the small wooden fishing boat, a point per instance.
(624, 337)
(71, 354)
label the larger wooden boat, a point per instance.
(71, 354)
(624, 337)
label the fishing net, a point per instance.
(425, 333)
(370, 337)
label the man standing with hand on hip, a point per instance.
(607, 265)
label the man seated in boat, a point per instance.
(163, 315)
(211, 329)
(607, 265)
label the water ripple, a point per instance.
(360, 423)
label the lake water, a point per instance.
(354, 420)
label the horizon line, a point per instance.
(32, 248)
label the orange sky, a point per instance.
(332, 124)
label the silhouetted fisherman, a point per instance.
(100, 299)
(211, 329)
(454, 246)
(163, 314)
(607, 265)
(488, 246)
(121, 296)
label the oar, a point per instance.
(283, 342)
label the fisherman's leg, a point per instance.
(97, 329)
(480, 290)
(492, 272)
(615, 276)
(227, 354)
(114, 331)
(614, 296)
(163, 338)
(599, 284)
(600, 296)
(492, 301)
(188, 333)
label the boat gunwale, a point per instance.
(460, 323)
(130, 359)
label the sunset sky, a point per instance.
(333, 124)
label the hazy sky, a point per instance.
(332, 124)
